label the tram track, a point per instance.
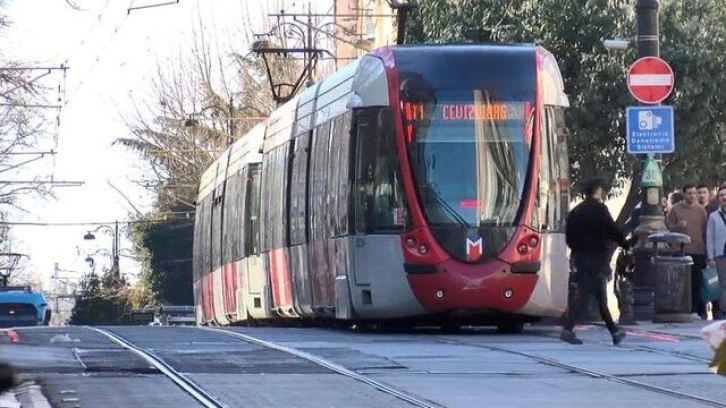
(592, 373)
(657, 350)
(336, 368)
(181, 380)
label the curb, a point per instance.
(30, 396)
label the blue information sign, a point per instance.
(650, 129)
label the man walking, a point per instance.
(716, 245)
(590, 230)
(689, 217)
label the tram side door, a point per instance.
(553, 205)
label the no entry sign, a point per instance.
(650, 80)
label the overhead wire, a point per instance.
(97, 223)
(98, 57)
(85, 36)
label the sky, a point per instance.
(111, 55)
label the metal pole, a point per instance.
(230, 124)
(115, 253)
(309, 46)
(651, 217)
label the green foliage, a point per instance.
(693, 41)
(100, 300)
(166, 248)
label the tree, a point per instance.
(693, 41)
(21, 122)
(199, 107)
(101, 300)
(166, 248)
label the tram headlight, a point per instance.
(422, 249)
(522, 249)
(411, 243)
(508, 293)
(440, 294)
(533, 241)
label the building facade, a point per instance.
(366, 24)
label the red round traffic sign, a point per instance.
(650, 80)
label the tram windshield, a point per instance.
(469, 155)
(467, 119)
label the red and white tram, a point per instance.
(423, 181)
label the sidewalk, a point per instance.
(8, 400)
(25, 395)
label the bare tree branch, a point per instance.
(201, 102)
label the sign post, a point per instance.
(650, 129)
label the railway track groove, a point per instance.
(378, 385)
(590, 373)
(181, 380)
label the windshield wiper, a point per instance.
(443, 204)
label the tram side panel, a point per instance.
(274, 248)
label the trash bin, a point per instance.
(672, 291)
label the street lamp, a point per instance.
(114, 232)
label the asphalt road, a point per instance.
(656, 366)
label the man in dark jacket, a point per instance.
(590, 231)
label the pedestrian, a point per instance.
(590, 231)
(673, 199)
(690, 218)
(704, 198)
(716, 245)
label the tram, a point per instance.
(419, 182)
(21, 306)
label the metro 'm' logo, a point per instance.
(473, 249)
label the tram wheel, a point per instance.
(510, 327)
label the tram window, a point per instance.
(318, 181)
(228, 208)
(342, 133)
(252, 212)
(564, 163)
(278, 197)
(298, 184)
(266, 210)
(549, 204)
(217, 219)
(379, 204)
(206, 234)
(232, 233)
(196, 267)
(332, 174)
